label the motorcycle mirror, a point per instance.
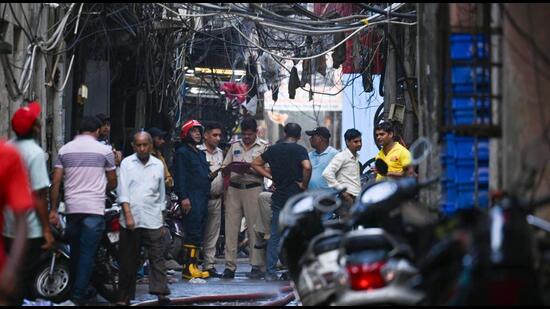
(420, 150)
(326, 204)
(381, 167)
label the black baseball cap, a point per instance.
(322, 131)
(156, 132)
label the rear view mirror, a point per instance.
(420, 150)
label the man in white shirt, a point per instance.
(142, 196)
(214, 156)
(344, 169)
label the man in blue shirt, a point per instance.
(320, 157)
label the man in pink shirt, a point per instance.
(87, 169)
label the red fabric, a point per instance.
(15, 190)
(235, 90)
(367, 39)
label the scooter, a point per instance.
(377, 264)
(310, 245)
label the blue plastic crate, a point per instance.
(466, 74)
(468, 88)
(466, 198)
(449, 209)
(466, 46)
(462, 147)
(470, 104)
(449, 166)
(467, 117)
(466, 174)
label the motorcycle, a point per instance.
(334, 263)
(377, 263)
(53, 280)
(311, 253)
(173, 230)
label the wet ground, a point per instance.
(213, 286)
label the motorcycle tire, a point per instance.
(58, 288)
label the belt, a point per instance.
(244, 186)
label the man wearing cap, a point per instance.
(87, 169)
(26, 125)
(192, 186)
(320, 157)
(158, 140)
(242, 199)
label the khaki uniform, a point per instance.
(212, 229)
(168, 180)
(242, 201)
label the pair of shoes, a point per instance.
(271, 277)
(228, 274)
(255, 273)
(164, 300)
(213, 272)
(260, 244)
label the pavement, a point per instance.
(212, 286)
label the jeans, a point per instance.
(84, 232)
(273, 241)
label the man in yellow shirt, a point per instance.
(397, 157)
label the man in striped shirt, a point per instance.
(87, 169)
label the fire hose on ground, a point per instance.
(230, 297)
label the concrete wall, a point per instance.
(526, 89)
(35, 19)
(430, 96)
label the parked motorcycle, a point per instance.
(174, 230)
(310, 245)
(53, 280)
(377, 263)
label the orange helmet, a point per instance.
(188, 126)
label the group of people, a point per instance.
(253, 180)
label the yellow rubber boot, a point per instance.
(190, 268)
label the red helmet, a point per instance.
(188, 126)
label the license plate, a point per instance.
(113, 236)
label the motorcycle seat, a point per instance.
(327, 244)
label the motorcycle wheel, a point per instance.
(56, 288)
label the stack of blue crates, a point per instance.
(470, 104)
